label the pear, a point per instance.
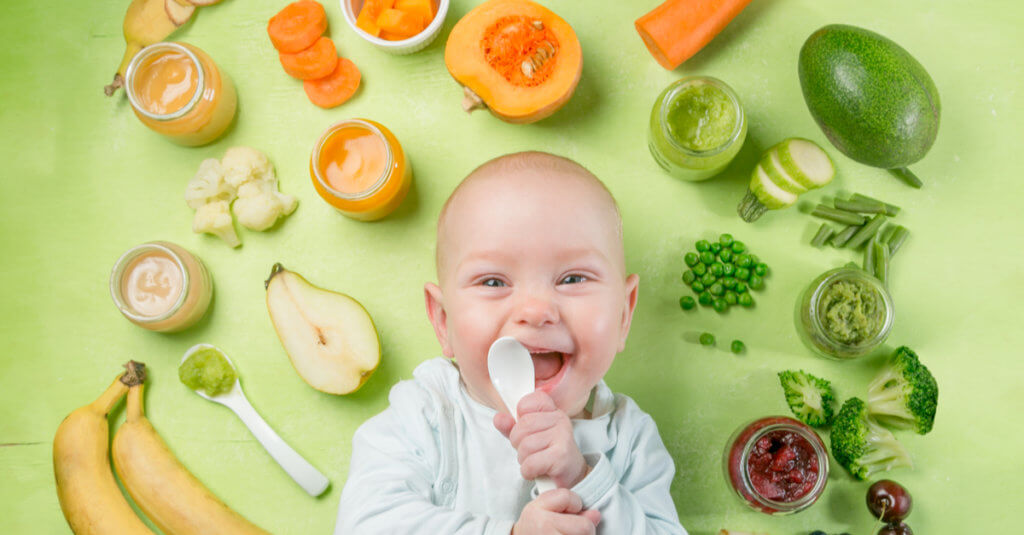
(328, 336)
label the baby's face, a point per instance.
(539, 260)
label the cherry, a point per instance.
(896, 529)
(889, 501)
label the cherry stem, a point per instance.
(874, 529)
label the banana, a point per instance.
(146, 22)
(88, 494)
(166, 491)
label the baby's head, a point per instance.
(529, 245)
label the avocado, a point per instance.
(872, 99)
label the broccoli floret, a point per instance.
(811, 399)
(904, 393)
(861, 445)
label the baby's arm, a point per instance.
(390, 486)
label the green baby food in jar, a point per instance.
(845, 313)
(697, 127)
(208, 370)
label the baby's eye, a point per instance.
(573, 279)
(493, 283)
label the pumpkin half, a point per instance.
(516, 58)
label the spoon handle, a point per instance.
(308, 477)
(544, 484)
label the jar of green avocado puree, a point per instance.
(697, 127)
(845, 313)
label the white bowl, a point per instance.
(406, 46)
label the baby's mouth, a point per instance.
(547, 366)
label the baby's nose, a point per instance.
(536, 310)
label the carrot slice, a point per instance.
(678, 29)
(297, 26)
(399, 23)
(424, 9)
(335, 88)
(314, 62)
(367, 20)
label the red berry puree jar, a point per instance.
(777, 465)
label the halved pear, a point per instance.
(328, 336)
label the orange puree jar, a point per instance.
(359, 168)
(177, 90)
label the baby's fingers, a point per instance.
(504, 423)
(574, 525)
(560, 501)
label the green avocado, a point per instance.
(872, 99)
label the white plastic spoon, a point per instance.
(309, 478)
(511, 369)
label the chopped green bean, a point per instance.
(738, 347)
(707, 339)
(890, 209)
(687, 303)
(867, 231)
(839, 216)
(886, 233)
(860, 207)
(869, 254)
(825, 231)
(907, 176)
(899, 236)
(881, 261)
(840, 239)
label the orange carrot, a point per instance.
(297, 26)
(678, 29)
(399, 23)
(314, 62)
(424, 9)
(336, 88)
(367, 20)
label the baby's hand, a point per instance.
(558, 511)
(543, 438)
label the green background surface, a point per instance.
(83, 181)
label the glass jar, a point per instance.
(814, 320)
(360, 169)
(176, 90)
(161, 287)
(745, 458)
(697, 127)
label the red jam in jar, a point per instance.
(778, 465)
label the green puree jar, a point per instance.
(845, 313)
(697, 127)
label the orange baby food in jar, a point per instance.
(359, 168)
(161, 287)
(177, 90)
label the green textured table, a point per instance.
(84, 181)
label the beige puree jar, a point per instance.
(161, 287)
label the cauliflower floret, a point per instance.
(208, 185)
(242, 164)
(259, 204)
(215, 218)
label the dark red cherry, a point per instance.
(889, 501)
(896, 529)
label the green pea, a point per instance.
(728, 270)
(717, 289)
(687, 303)
(702, 245)
(743, 260)
(705, 298)
(715, 247)
(700, 269)
(746, 300)
(725, 255)
(697, 286)
(729, 282)
(689, 276)
(719, 305)
(738, 347)
(725, 239)
(738, 247)
(691, 259)
(716, 269)
(708, 279)
(761, 269)
(741, 287)
(755, 282)
(731, 297)
(707, 257)
(754, 260)
(741, 273)
(707, 339)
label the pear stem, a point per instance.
(278, 268)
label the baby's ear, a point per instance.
(437, 315)
(632, 293)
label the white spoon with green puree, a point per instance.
(511, 369)
(218, 377)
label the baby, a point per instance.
(530, 246)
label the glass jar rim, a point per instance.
(118, 273)
(145, 54)
(677, 86)
(331, 130)
(844, 273)
(819, 451)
